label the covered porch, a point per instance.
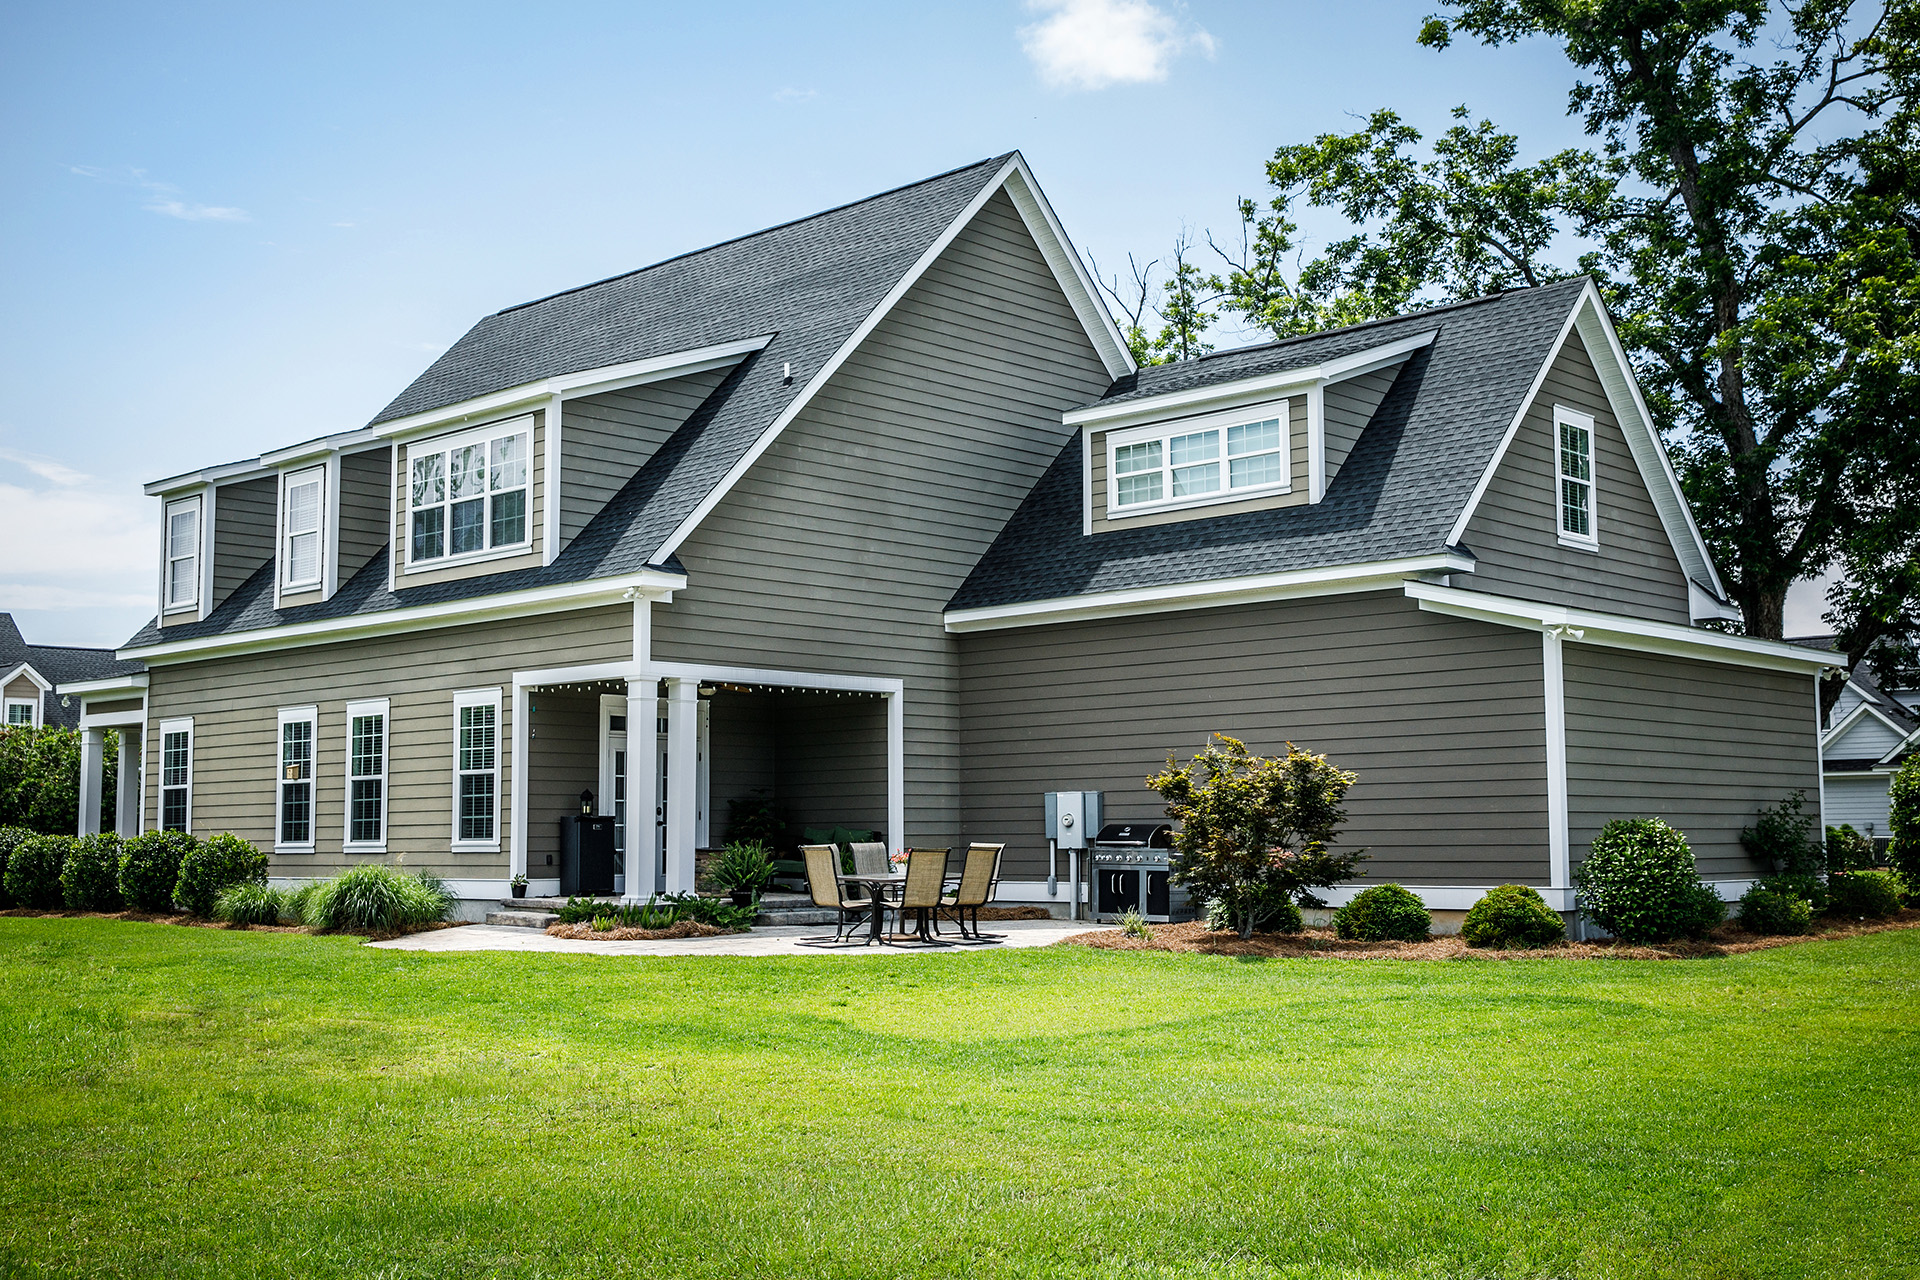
(820, 749)
(118, 706)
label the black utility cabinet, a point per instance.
(587, 861)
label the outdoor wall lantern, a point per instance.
(586, 803)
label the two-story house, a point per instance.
(873, 514)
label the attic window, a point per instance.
(1573, 438)
(1215, 458)
(468, 494)
(302, 507)
(182, 586)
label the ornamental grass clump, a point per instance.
(376, 899)
(1386, 912)
(241, 905)
(1639, 884)
(33, 871)
(150, 868)
(90, 880)
(213, 865)
(1863, 895)
(1771, 912)
(1512, 917)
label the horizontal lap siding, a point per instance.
(742, 736)
(1514, 532)
(1443, 720)
(1860, 802)
(839, 549)
(1867, 738)
(1703, 745)
(365, 489)
(243, 516)
(1349, 406)
(234, 701)
(605, 439)
(564, 760)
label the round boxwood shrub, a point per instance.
(252, 903)
(33, 871)
(10, 838)
(1764, 910)
(1639, 884)
(150, 868)
(90, 880)
(1512, 916)
(216, 863)
(1863, 895)
(1385, 911)
(376, 899)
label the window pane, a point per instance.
(1574, 517)
(509, 518)
(469, 527)
(1574, 446)
(19, 713)
(429, 480)
(1263, 469)
(296, 750)
(476, 738)
(1143, 488)
(1191, 481)
(180, 581)
(1129, 458)
(303, 507)
(469, 471)
(303, 557)
(296, 812)
(364, 813)
(183, 532)
(1201, 446)
(369, 746)
(427, 528)
(173, 809)
(476, 806)
(509, 468)
(173, 760)
(1254, 437)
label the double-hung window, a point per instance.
(20, 713)
(1573, 448)
(476, 769)
(176, 775)
(367, 775)
(469, 495)
(1215, 458)
(294, 807)
(300, 551)
(182, 586)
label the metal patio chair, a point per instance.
(979, 878)
(920, 894)
(823, 882)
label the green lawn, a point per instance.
(192, 1102)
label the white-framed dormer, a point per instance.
(23, 696)
(306, 531)
(468, 497)
(1232, 455)
(1576, 480)
(186, 554)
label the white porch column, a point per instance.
(126, 811)
(642, 871)
(93, 759)
(683, 773)
(519, 765)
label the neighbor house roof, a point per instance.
(58, 664)
(1398, 494)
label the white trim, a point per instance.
(1846, 722)
(482, 435)
(34, 677)
(510, 604)
(1553, 672)
(1563, 416)
(462, 699)
(1821, 781)
(317, 475)
(1334, 580)
(133, 685)
(208, 514)
(1229, 394)
(1220, 422)
(113, 720)
(330, 525)
(1614, 631)
(683, 777)
(309, 716)
(183, 724)
(226, 473)
(1074, 281)
(550, 482)
(381, 707)
(33, 706)
(897, 767)
(192, 599)
(1086, 482)
(1316, 441)
(93, 758)
(517, 784)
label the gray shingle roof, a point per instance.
(58, 664)
(1398, 494)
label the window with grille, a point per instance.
(176, 775)
(367, 774)
(1214, 458)
(182, 586)
(476, 768)
(1574, 440)
(469, 495)
(295, 779)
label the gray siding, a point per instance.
(1868, 738)
(365, 489)
(243, 516)
(604, 439)
(839, 549)
(564, 760)
(1860, 801)
(1349, 406)
(1443, 719)
(1295, 496)
(234, 702)
(1514, 532)
(1701, 744)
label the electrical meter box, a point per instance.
(1073, 817)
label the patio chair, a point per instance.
(920, 894)
(979, 877)
(823, 882)
(870, 858)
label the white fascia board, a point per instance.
(1068, 270)
(325, 446)
(187, 482)
(1864, 709)
(1334, 580)
(453, 613)
(1702, 603)
(1225, 394)
(26, 669)
(105, 687)
(1906, 744)
(1619, 632)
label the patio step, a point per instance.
(522, 919)
(784, 915)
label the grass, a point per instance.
(194, 1102)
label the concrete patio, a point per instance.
(772, 941)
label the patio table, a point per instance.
(876, 886)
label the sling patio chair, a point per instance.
(870, 858)
(823, 882)
(920, 894)
(979, 878)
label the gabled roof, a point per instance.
(54, 665)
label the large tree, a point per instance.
(1750, 209)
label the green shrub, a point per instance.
(376, 899)
(1848, 850)
(1512, 916)
(743, 864)
(90, 881)
(1863, 895)
(1764, 910)
(1782, 839)
(251, 903)
(1810, 889)
(1384, 911)
(1903, 819)
(33, 871)
(10, 838)
(1639, 884)
(1273, 915)
(150, 868)
(216, 863)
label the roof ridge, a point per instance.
(778, 226)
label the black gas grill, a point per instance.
(1129, 862)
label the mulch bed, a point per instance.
(680, 929)
(1013, 913)
(1729, 939)
(201, 922)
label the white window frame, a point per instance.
(1219, 421)
(1590, 540)
(355, 711)
(462, 700)
(167, 728)
(316, 476)
(33, 713)
(170, 554)
(310, 716)
(444, 446)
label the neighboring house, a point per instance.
(31, 673)
(872, 513)
(1868, 735)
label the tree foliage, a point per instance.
(40, 779)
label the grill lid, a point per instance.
(1138, 835)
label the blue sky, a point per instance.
(236, 226)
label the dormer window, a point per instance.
(468, 494)
(182, 586)
(301, 552)
(1573, 433)
(1222, 456)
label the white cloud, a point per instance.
(162, 197)
(73, 542)
(197, 212)
(1092, 44)
(1806, 603)
(791, 94)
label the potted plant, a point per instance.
(519, 886)
(743, 869)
